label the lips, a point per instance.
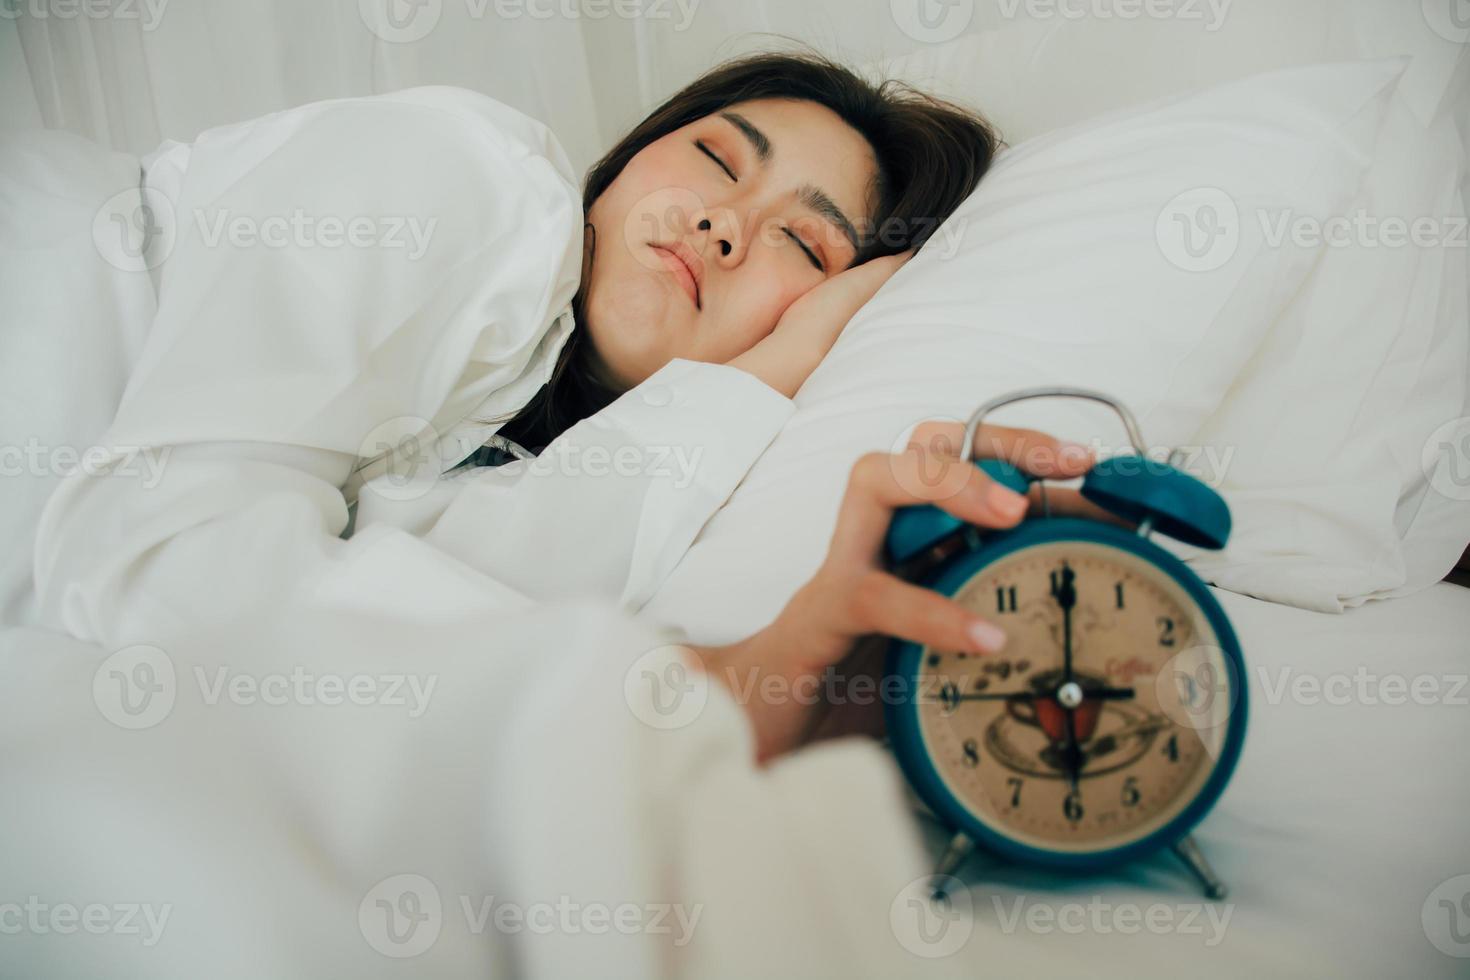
(686, 267)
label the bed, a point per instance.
(1342, 836)
(1343, 823)
(268, 836)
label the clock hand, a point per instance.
(1092, 694)
(1064, 591)
(1072, 752)
(1107, 693)
(993, 696)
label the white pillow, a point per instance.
(75, 304)
(1347, 434)
(1066, 266)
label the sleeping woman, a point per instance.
(323, 410)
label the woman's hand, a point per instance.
(851, 596)
(810, 326)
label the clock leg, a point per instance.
(960, 847)
(1194, 859)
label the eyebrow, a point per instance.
(758, 140)
(809, 194)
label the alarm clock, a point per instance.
(1111, 721)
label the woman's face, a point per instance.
(712, 231)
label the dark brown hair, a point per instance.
(930, 155)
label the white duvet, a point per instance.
(429, 749)
(489, 772)
(493, 801)
(284, 368)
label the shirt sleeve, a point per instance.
(311, 300)
(610, 506)
(313, 309)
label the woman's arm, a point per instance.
(328, 270)
(852, 597)
(612, 504)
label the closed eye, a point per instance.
(721, 163)
(816, 262)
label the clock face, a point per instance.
(1103, 717)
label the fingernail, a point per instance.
(1006, 502)
(1073, 450)
(987, 637)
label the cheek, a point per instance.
(765, 291)
(625, 307)
(653, 199)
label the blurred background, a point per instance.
(130, 73)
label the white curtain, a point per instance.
(129, 73)
(155, 69)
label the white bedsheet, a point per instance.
(268, 833)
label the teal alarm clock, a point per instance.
(1111, 721)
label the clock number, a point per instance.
(1166, 631)
(1203, 680)
(1118, 591)
(1015, 784)
(1005, 598)
(1072, 807)
(1171, 748)
(949, 696)
(972, 753)
(1131, 795)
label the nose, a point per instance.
(725, 241)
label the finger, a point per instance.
(945, 438)
(875, 272)
(839, 298)
(888, 605)
(1033, 452)
(880, 482)
(939, 436)
(1068, 502)
(895, 260)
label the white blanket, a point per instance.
(486, 760)
(513, 792)
(302, 345)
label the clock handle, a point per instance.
(1135, 436)
(1189, 510)
(1188, 851)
